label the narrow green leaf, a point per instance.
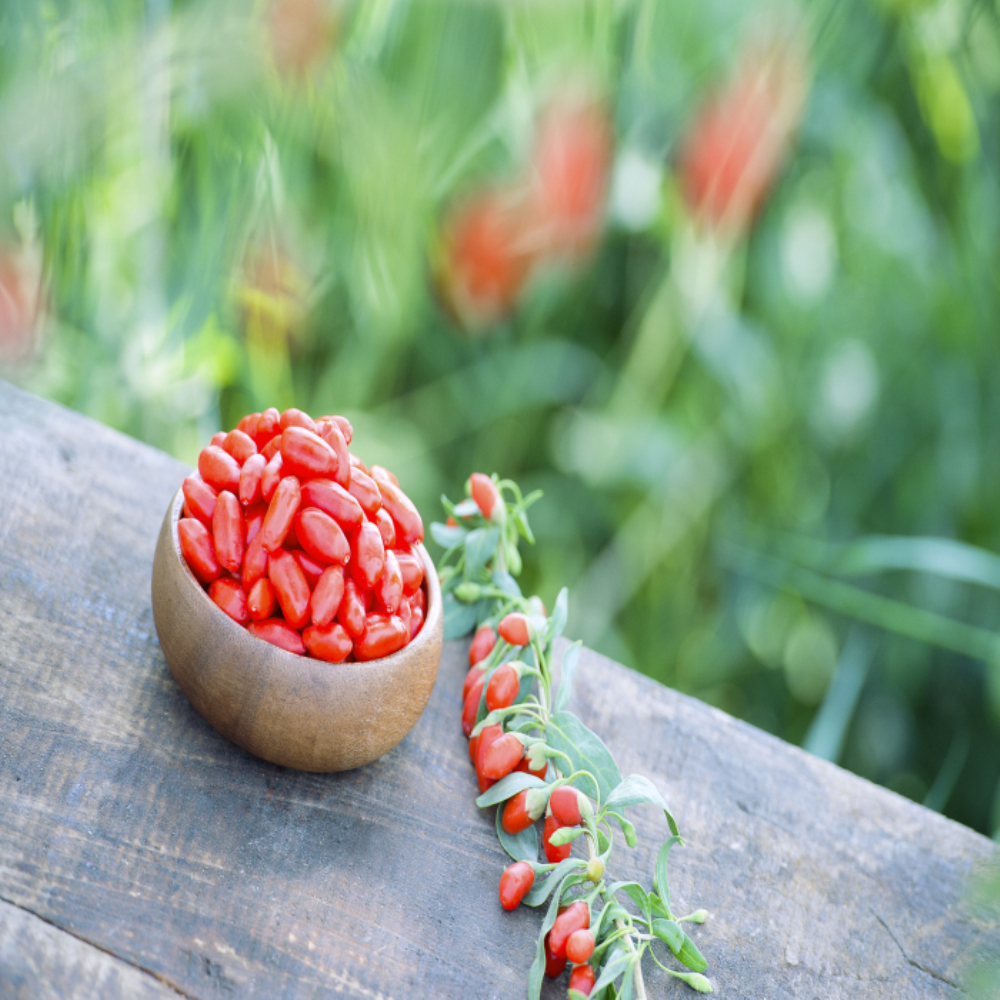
(542, 888)
(636, 790)
(447, 536)
(557, 622)
(569, 661)
(625, 992)
(669, 933)
(635, 892)
(480, 547)
(662, 883)
(566, 835)
(627, 828)
(513, 783)
(616, 964)
(467, 508)
(656, 907)
(566, 733)
(459, 618)
(522, 846)
(691, 956)
(695, 980)
(505, 582)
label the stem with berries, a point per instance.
(535, 759)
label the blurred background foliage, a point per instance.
(721, 278)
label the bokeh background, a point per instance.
(720, 278)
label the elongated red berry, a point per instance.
(517, 815)
(321, 536)
(470, 706)
(198, 549)
(503, 757)
(328, 642)
(327, 595)
(554, 854)
(383, 634)
(307, 455)
(267, 426)
(261, 601)
(482, 644)
(271, 476)
(229, 596)
(312, 569)
(389, 588)
(290, 587)
(254, 562)
(502, 688)
(582, 979)
(278, 633)
(576, 917)
(515, 629)
(580, 946)
(367, 556)
(554, 966)
(416, 621)
(351, 613)
(364, 489)
(485, 493)
(515, 884)
(272, 448)
(228, 532)
(475, 673)
(333, 499)
(200, 499)
(406, 517)
(281, 512)
(487, 737)
(539, 772)
(296, 418)
(412, 569)
(219, 469)
(386, 527)
(250, 480)
(334, 438)
(565, 805)
(240, 445)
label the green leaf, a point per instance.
(635, 892)
(566, 733)
(522, 846)
(669, 933)
(557, 622)
(508, 786)
(537, 971)
(625, 993)
(656, 907)
(446, 535)
(541, 889)
(569, 661)
(636, 790)
(467, 508)
(691, 956)
(505, 582)
(480, 547)
(695, 980)
(617, 963)
(459, 618)
(627, 828)
(566, 835)
(662, 884)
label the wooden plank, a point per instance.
(128, 822)
(41, 962)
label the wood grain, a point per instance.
(289, 710)
(132, 826)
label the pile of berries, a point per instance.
(495, 754)
(296, 539)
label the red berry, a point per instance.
(261, 601)
(488, 736)
(554, 854)
(482, 644)
(514, 628)
(198, 549)
(351, 613)
(241, 446)
(470, 707)
(502, 688)
(475, 673)
(250, 480)
(219, 469)
(565, 805)
(268, 425)
(307, 455)
(367, 556)
(200, 499)
(330, 432)
(485, 493)
(386, 528)
(526, 767)
(328, 642)
(228, 532)
(327, 595)
(278, 633)
(582, 979)
(516, 815)
(296, 418)
(383, 634)
(333, 499)
(502, 757)
(412, 569)
(321, 536)
(364, 489)
(580, 946)
(229, 596)
(281, 512)
(389, 588)
(406, 517)
(553, 965)
(515, 883)
(290, 587)
(576, 917)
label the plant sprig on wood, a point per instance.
(534, 758)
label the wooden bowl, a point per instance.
(291, 710)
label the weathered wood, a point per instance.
(126, 821)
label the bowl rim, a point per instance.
(399, 658)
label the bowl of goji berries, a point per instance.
(295, 603)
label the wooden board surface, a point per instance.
(143, 854)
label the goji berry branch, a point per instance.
(535, 758)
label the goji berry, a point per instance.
(321, 536)
(278, 633)
(250, 477)
(296, 418)
(254, 517)
(553, 853)
(305, 454)
(248, 424)
(333, 437)
(351, 613)
(383, 634)
(219, 469)
(333, 499)
(281, 512)
(517, 815)
(473, 749)
(582, 979)
(241, 446)
(268, 425)
(488, 736)
(272, 448)
(580, 946)
(228, 532)
(327, 595)
(254, 562)
(389, 588)
(381, 474)
(200, 499)
(270, 477)
(502, 688)
(515, 884)
(364, 489)
(576, 917)
(470, 706)
(515, 629)
(482, 644)
(198, 549)
(290, 587)
(328, 642)
(525, 766)
(217, 439)
(385, 527)
(416, 621)
(554, 965)
(261, 601)
(565, 805)
(367, 555)
(419, 600)
(406, 517)
(312, 569)
(485, 493)
(475, 673)
(503, 756)
(412, 569)
(229, 596)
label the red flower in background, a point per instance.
(20, 305)
(735, 147)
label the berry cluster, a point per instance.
(296, 539)
(535, 758)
